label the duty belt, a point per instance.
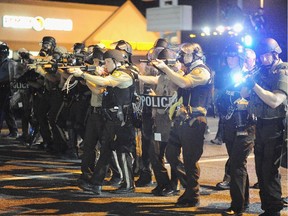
(261, 121)
(96, 110)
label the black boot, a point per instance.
(144, 180)
(72, 151)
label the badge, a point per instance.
(116, 74)
(196, 71)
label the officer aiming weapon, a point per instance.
(241, 78)
(169, 62)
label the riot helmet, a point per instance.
(189, 53)
(234, 49)
(4, 51)
(123, 45)
(78, 47)
(269, 45)
(116, 55)
(48, 44)
(59, 53)
(161, 42)
(97, 53)
(166, 54)
(126, 49)
(49, 40)
(268, 51)
(234, 55)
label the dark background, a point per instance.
(211, 12)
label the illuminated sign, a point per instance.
(141, 46)
(37, 23)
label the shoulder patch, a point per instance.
(196, 71)
(116, 73)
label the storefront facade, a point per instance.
(26, 22)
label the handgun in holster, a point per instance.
(107, 115)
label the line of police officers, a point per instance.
(112, 101)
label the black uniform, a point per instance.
(50, 104)
(118, 132)
(8, 69)
(269, 137)
(239, 139)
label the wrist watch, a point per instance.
(83, 75)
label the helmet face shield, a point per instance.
(46, 46)
(48, 43)
(161, 42)
(122, 45)
(153, 53)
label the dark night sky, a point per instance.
(205, 13)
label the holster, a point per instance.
(107, 115)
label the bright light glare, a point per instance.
(238, 27)
(206, 30)
(220, 29)
(238, 78)
(248, 40)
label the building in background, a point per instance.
(25, 22)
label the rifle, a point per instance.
(169, 62)
(88, 68)
(49, 65)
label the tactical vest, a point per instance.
(269, 81)
(114, 96)
(198, 96)
(227, 98)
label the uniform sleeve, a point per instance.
(283, 80)
(122, 78)
(198, 76)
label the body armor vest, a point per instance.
(114, 96)
(268, 81)
(198, 96)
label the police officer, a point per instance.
(118, 129)
(159, 138)
(238, 133)
(126, 49)
(76, 105)
(233, 66)
(50, 103)
(268, 100)
(189, 125)
(94, 123)
(145, 178)
(8, 69)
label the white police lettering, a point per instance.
(231, 93)
(160, 102)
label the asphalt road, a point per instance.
(32, 182)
